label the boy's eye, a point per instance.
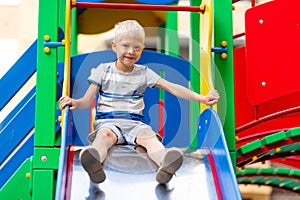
(136, 48)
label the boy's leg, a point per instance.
(171, 162)
(168, 160)
(155, 149)
(94, 155)
(105, 138)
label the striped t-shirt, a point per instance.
(122, 92)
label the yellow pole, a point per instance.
(206, 27)
(66, 83)
(67, 43)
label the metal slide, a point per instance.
(207, 173)
(131, 174)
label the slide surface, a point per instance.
(206, 173)
(131, 174)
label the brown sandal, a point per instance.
(171, 162)
(90, 160)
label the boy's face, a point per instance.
(128, 50)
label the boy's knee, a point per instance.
(146, 134)
(107, 133)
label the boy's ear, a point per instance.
(113, 46)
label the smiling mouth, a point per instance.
(130, 58)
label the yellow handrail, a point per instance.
(66, 83)
(67, 43)
(206, 79)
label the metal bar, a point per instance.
(63, 157)
(139, 6)
(267, 118)
(238, 35)
(255, 136)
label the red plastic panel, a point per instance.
(244, 112)
(273, 50)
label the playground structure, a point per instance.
(266, 96)
(44, 157)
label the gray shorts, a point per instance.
(126, 130)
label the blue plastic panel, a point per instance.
(16, 160)
(18, 74)
(176, 125)
(17, 125)
(81, 68)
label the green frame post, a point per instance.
(44, 189)
(74, 33)
(225, 85)
(194, 71)
(171, 39)
(46, 76)
(45, 152)
(61, 24)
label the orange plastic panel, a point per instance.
(273, 50)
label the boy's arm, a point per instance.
(182, 92)
(82, 103)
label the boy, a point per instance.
(121, 85)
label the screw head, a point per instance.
(43, 158)
(27, 175)
(47, 50)
(46, 37)
(223, 56)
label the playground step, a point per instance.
(250, 147)
(273, 145)
(276, 137)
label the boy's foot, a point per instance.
(171, 162)
(90, 160)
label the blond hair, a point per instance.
(129, 28)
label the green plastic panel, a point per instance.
(18, 186)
